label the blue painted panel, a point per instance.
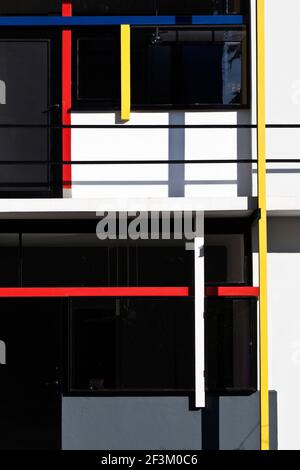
(14, 21)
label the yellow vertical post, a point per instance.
(125, 72)
(262, 226)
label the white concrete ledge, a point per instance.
(87, 208)
(284, 206)
(24, 208)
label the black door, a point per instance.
(30, 373)
(29, 95)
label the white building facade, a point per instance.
(193, 100)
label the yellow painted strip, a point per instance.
(262, 228)
(125, 72)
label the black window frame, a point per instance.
(69, 390)
(176, 70)
(93, 104)
(93, 34)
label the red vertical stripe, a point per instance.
(66, 95)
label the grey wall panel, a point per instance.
(130, 423)
(239, 423)
(133, 423)
(273, 421)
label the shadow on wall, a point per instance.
(283, 235)
(244, 152)
(176, 152)
(232, 423)
(176, 181)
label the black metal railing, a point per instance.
(212, 160)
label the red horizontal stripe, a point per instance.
(94, 292)
(244, 291)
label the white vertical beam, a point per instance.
(199, 316)
(2, 352)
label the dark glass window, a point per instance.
(165, 266)
(226, 259)
(30, 7)
(183, 68)
(126, 7)
(170, 68)
(132, 344)
(81, 259)
(161, 7)
(204, 7)
(9, 256)
(97, 68)
(231, 345)
(215, 262)
(64, 260)
(114, 7)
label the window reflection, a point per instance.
(188, 67)
(132, 344)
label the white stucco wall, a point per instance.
(283, 94)
(161, 144)
(284, 324)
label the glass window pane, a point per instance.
(152, 74)
(232, 73)
(231, 350)
(188, 68)
(128, 7)
(162, 7)
(201, 67)
(132, 344)
(30, 7)
(165, 266)
(157, 349)
(225, 259)
(10, 261)
(191, 7)
(94, 348)
(64, 260)
(98, 68)
(114, 7)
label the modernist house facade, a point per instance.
(149, 224)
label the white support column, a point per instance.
(199, 318)
(2, 353)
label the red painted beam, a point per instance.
(243, 291)
(66, 96)
(94, 292)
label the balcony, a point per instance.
(56, 137)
